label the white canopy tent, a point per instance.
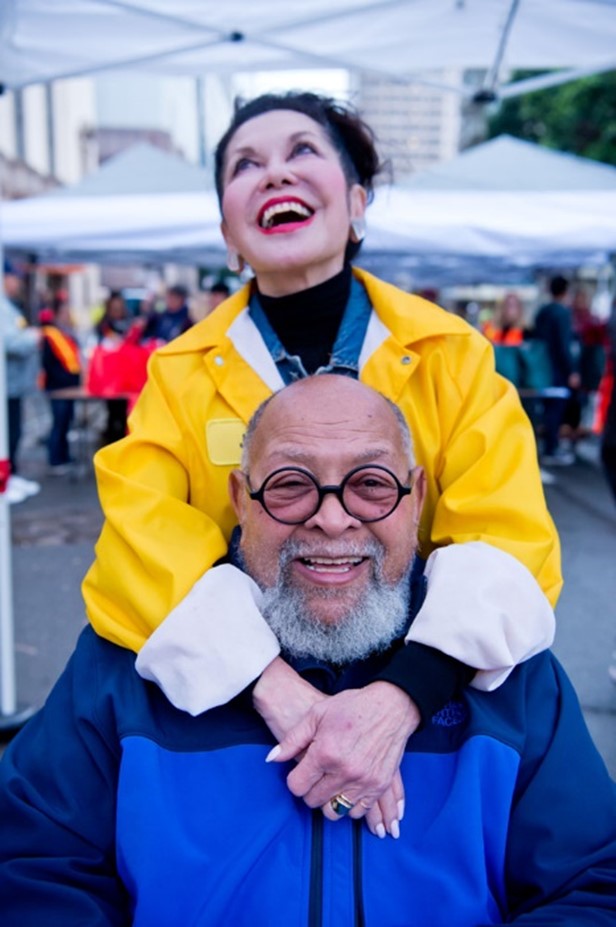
(450, 237)
(476, 230)
(508, 163)
(500, 208)
(506, 207)
(142, 168)
(44, 40)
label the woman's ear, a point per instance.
(358, 200)
(224, 231)
(235, 261)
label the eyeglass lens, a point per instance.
(367, 494)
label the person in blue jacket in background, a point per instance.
(173, 321)
(119, 809)
(553, 326)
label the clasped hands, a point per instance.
(351, 743)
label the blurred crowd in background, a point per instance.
(46, 353)
(557, 348)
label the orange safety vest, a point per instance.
(512, 337)
(64, 347)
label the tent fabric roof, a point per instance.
(458, 235)
(43, 40)
(142, 168)
(507, 163)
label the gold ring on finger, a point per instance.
(341, 805)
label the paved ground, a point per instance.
(585, 515)
(54, 535)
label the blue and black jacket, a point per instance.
(117, 809)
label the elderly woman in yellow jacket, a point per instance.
(294, 174)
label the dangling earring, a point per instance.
(358, 230)
(234, 261)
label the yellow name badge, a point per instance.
(224, 441)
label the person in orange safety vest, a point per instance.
(61, 368)
(506, 327)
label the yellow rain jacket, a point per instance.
(163, 488)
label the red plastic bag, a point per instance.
(604, 395)
(117, 370)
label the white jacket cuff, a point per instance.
(212, 645)
(484, 608)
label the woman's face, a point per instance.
(116, 308)
(512, 309)
(287, 206)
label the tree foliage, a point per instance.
(578, 117)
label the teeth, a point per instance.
(267, 219)
(331, 564)
(330, 568)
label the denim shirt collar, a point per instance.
(347, 347)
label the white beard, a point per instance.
(371, 625)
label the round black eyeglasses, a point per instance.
(292, 495)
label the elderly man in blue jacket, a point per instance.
(118, 809)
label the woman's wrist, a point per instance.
(401, 705)
(282, 697)
(265, 687)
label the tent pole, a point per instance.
(200, 104)
(8, 700)
(491, 81)
(12, 717)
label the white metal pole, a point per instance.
(8, 697)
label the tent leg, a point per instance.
(7, 663)
(12, 716)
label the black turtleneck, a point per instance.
(307, 322)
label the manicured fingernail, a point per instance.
(272, 754)
(394, 829)
(400, 809)
(380, 831)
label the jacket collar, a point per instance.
(409, 318)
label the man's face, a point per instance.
(174, 301)
(215, 299)
(328, 426)
(12, 286)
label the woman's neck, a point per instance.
(288, 282)
(307, 322)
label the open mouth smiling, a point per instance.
(283, 213)
(331, 564)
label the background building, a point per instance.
(417, 124)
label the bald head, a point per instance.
(333, 395)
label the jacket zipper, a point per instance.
(315, 909)
(358, 879)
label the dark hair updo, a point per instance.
(352, 138)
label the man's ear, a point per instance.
(237, 494)
(419, 490)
